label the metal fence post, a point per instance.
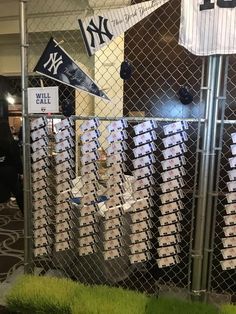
(26, 143)
(209, 133)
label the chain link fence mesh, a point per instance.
(160, 68)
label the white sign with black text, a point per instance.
(43, 100)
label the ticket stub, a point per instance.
(228, 264)
(116, 169)
(168, 240)
(87, 220)
(174, 151)
(61, 198)
(87, 230)
(39, 175)
(141, 226)
(144, 161)
(116, 159)
(143, 172)
(230, 220)
(115, 179)
(112, 223)
(63, 236)
(64, 124)
(231, 186)
(64, 156)
(112, 234)
(115, 190)
(117, 125)
(232, 162)
(114, 201)
(86, 169)
(175, 139)
(42, 222)
(89, 125)
(173, 163)
(42, 251)
(168, 261)
(88, 199)
(89, 136)
(145, 127)
(140, 247)
(114, 212)
(145, 193)
(112, 244)
(67, 185)
(143, 183)
(62, 207)
(41, 164)
(38, 134)
(39, 154)
(170, 219)
(89, 178)
(41, 232)
(43, 241)
(117, 136)
(142, 150)
(231, 197)
(116, 148)
(65, 176)
(229, 253)
(41, 213)
(40, 195)
(141, 236)
(171, 207)
(64, 135)
(89, 147)
(64, 166)
(87, 250)
(168, 250)
(43, 142)
(169, 229)
(41, 204)
(233, 136)
(140, 258)
(173, 174)
(172, 185)
(171, 196)
(140, 216)
(232, 174)
(230, 208)
(145, 138)
(89, 240)
(66, 216)
(108, 255)
(38, 123)
(142, 204)
(230, 231)
(64, 145)
(63, 246)
(89, 158)
(89, 188)
(88, 210)
(229, 242)
(233, 149)
(175, 127)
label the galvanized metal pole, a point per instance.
(26, 144)
(197, 253)
(211, 174)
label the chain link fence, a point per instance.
(160, 68)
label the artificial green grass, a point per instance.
(36, 294)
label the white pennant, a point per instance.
(99, 30)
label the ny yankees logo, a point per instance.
(55, 62)
(102, 30)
